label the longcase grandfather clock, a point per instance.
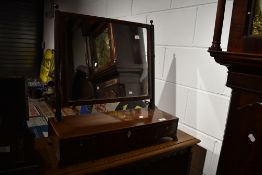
(241, 152)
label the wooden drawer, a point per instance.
(77, 139)
(80, 149)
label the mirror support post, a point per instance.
(152, 62)
(58, 114)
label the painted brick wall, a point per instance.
(189, 83)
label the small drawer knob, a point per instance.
(129, 134)
(252, 138)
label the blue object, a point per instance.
(85, 109)
(39, 130)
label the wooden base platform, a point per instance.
(83, 138)
(180, 150)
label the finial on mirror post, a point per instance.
(151, 22)
(52, 8)
(56, 6)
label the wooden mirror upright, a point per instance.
(102, 60)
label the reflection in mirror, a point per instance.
(257, 19)
(102, 49)
(104, 60)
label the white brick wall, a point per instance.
(146, 6)
(91, 7)
(174, 27)
(189, 83)
(193, 67)
(118, 8)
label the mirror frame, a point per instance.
(60, 55)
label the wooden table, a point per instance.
(149, 160)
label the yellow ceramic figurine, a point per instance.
(47, 66)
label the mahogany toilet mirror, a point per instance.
(102, 60)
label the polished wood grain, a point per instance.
(240, 39)
(241, 148)
(240, 154)
(218, 26)
(102, 134)
(50, 164)
(238, 60)
(95, 123)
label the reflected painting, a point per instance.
(257, 20)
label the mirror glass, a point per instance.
(103, 59)
(257, 18)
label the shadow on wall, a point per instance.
(207, 115)
(166, 90)
(167, 96)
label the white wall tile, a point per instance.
(48, 33)
(143, 6)
(165, 96)
(171, 98)
(205, 1)
(68, 6)
(205, 25)
(118, 8)
(194, 68)
(171, 66)
(215, 157)
(188, 3)
(227, 91)
(207, 113)
(183, 3)
(159, 61)
(171, 28)
(89, 7)
(181, 97)
(94, 7)
(207, 143)
(136, 18)
(226, 24)
(208, 1)
(208, 161)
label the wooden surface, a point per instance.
(240, 154)
(72, 126)
(240, 38)
(104, 134)
(50, 164)
(241, 148)
(218, 26)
